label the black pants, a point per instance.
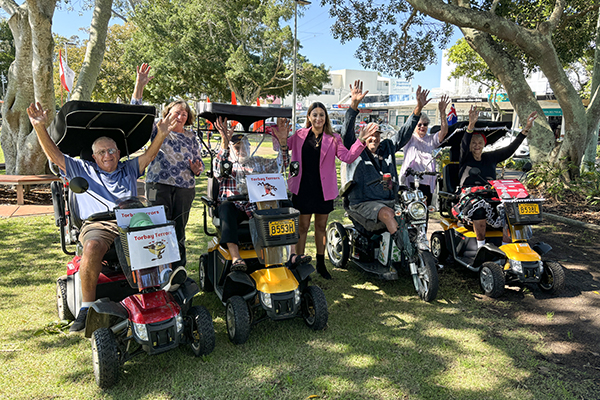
(230, 217)
(177, 202)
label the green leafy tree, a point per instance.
(512, 37)
(203, 47)
(7, 49)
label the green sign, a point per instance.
(552, 112)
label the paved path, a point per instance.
(13, 210)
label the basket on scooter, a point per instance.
(135, 276)
(524, 211)
(275, 227)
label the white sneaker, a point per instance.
(176, 279)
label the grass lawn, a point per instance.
(382, 341)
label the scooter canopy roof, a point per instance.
(245, 115)
(79, 123)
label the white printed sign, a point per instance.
(156, 214)
(152, 247)
(265, 187)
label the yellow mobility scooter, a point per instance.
(269, 288)
(497, 264)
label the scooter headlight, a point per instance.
(516, 266)
(417, 210)
(140, 331)
(265, 299)
(179, 322)
(408, 196)
(297, 296)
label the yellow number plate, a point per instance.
(529, 209)
(284, 227)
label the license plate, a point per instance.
(529, 209)
(284, 227)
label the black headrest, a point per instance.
(86, 154)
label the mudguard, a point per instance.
(541, 248)
(104, 313)
(488, 252)
(184, 295)
(303, 271)
(238, 283)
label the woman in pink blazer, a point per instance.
(315, 187)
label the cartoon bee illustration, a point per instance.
(269, 189)
(157, 249)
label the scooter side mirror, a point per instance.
(294, 168)
(474, 171)
(79, 185)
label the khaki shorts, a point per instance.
(369, 210)
(103, 231)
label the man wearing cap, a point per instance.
(109, 180)
(369, 197)
(236, 149)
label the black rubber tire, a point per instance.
(492, 279)
(426, 281)
(203, 331)
(238, 320)
(62, 306)
(439, 251)
(314, 308)
(553, 277)
(105, 358)
(338, 245)
(203, 280)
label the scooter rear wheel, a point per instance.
(492, 279)
(203, 331)
(62, 306)
(553, 278)
(238, 320)
(105, 358)
(203, 280)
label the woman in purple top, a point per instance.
(418, 152)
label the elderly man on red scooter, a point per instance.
(109, 180)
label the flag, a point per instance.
(66, 74)
(452, 117)
(210, 124)
(258, 124)
(234, 102)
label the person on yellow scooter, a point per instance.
(474, 206)
(236, 149)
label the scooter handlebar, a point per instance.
(238, 197)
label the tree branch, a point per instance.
(9, 6)
(566, 20)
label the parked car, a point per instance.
(522, 150)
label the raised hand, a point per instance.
(443, 104)
(356, 94)
(473, 117)
(281, 130)
(226, 134)
(164, 125)
(422, 100)
(196, 167)
(37, 115)
(529, 123)
(142, 76)
(368, 131)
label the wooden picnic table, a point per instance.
(25, 180)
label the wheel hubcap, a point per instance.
(487, 280)
(230, 321)
(334, 241)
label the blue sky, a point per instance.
(314, 32)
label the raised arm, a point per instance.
(405, 132)
(442, 105)
(39, 119)
(141, 80)
(356, 97)
(506, 152)
(163, 127)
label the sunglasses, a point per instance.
(423, 124)
(101, 153)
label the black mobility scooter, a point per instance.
(269, 289)
(496, 264)
(132, 313)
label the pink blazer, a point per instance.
(332, 146)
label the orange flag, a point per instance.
(233, 101)
(258, 124)
(210, 125)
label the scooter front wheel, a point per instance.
(105, 358)
(492, 280)
(314, 308)
(553, 277)
(438, 247)
(426, 279)
(238, 320)
(338, 245)
(203, 331)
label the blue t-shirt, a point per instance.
(108, 187)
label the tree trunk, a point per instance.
(94, 53)
(30, 79)
(590, 152)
